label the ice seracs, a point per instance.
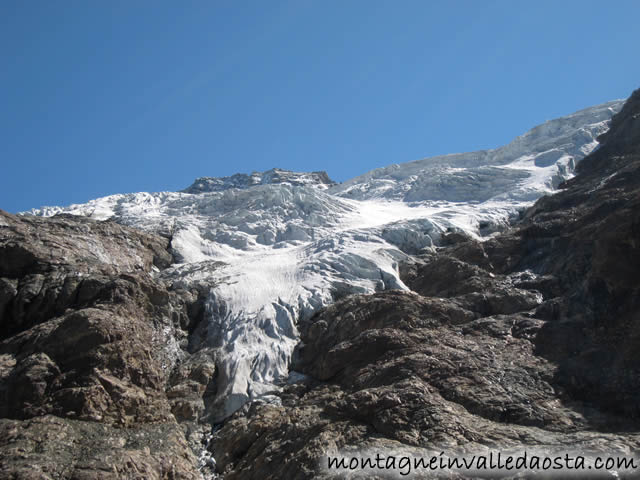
(276, 246)
(274, 176)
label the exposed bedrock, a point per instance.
(88, 345)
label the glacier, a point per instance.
(273, 247)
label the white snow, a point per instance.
(275, 247)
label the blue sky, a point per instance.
(105, 97)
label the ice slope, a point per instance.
(547, 152)
(274, 247)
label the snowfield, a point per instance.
(276, 246)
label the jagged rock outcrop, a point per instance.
(529, 339)
(88, 342)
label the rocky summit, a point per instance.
(251, 326)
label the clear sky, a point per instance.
(102, 97)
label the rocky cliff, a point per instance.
(88, 343)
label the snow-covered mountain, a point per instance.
(274, 247)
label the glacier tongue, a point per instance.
(276, 246)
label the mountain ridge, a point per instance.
(318, 179)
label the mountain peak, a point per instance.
(319, 180)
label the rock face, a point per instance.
(88, 340)
(531, 338)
